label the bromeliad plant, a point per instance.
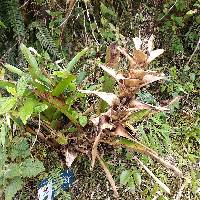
(116, 125)
(39, 91)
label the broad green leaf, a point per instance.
(13, 187)
(61, 74)
(83, 120)
(125, 176)
(137, 178)
(3, 133)
(26, 110)
(22, 84)
(62, 85)
(4, 84)
(6, 104)
(33, 65)
(13, 170)
(14, 70)
(40, 107)
(11, 90)
(75, 60)
(31, 167)
(2, 25)
(131, 185)
(138, 116)
(19, 149)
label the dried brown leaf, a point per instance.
(112, 55)
(109, 176)
(102, 124)
(139, 57)
(94, 148)
(113, 73)
(160, 183)
(136, 74)
(149, 78)
(137, 146)
(154, 54)
(69, 157)
(132, 62)
(137, 42)
(110, 98)
(134, 83)
(150, 43)
(121, 131)
(136, 105)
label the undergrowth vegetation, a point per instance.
(109, 87)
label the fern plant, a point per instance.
(45, 39)
(12, 17)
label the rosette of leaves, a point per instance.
(124, 110)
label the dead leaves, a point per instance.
(125, 111)
(109, 176)
(69, 157)
(110, 98)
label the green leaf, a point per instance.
(138, 116)
(137, 178)
(22, 84)
(13, 170)
(26, 110)
(2, 25)
(75, 60)
(40, 107)
(62, 85)
(11, 90)
(33, 65)
(34, 69)
(4, 84)
(20, 148)
(131, 185)
(3, 133)
(6, 104)
(3, 158)
(31, 167)
(14, 70)
(13, 187)
(125, 176)
(83, 120)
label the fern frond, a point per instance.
(46, 40)
(12, 16)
